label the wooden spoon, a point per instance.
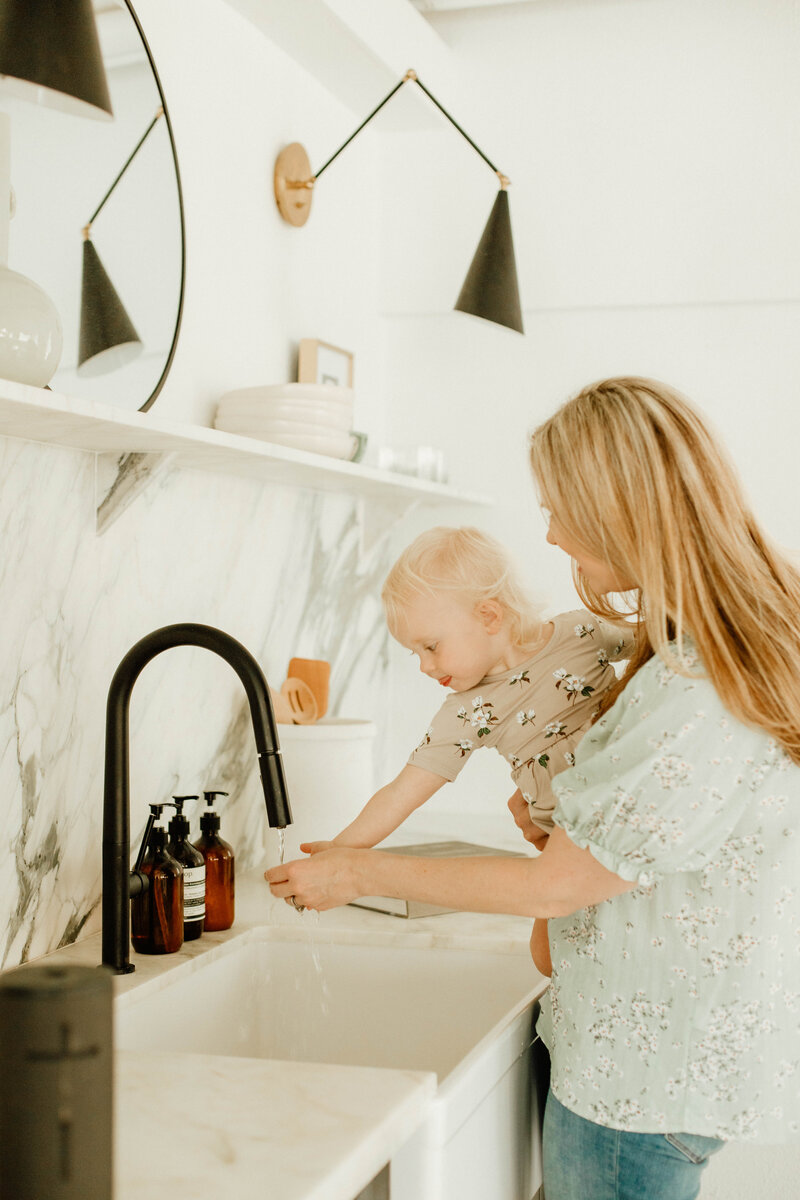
(280, 707)
(300, 699)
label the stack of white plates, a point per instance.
(306, 416)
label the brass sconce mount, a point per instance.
(293, 184)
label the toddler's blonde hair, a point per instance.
(470, 565)
(633, 475)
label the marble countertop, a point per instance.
(303, 1131)
(249, 1128)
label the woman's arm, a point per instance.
(559, 881)
(387, 809)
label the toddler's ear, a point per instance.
(492, 614)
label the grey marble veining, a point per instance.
(282, 570)
(120, 478)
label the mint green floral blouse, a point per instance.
(676, 1006)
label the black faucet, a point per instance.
(119, 883)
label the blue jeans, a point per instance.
(586, 1161)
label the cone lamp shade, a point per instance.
(490, 289)
(50, 54)
(108, 339)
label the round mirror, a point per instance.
(118, 285)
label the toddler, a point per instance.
(526, 687)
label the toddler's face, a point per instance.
(452, 641)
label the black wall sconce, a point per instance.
(50, 53)
(490, 289)
(108, 338)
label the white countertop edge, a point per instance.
(211, 1127)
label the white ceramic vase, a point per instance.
(30, 327)
(30, 330)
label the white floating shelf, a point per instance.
(38, 415)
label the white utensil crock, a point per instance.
(330, 775)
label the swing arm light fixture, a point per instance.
(490, 289)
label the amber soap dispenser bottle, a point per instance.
(219, 859)
(194, 870)
(157, 912)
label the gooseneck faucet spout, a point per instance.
(118, 882)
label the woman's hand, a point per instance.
(325, 880)
(315, 847)
(518, 807)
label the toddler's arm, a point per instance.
(540, 947)
(387, 809)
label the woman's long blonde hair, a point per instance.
(465, 562)
(632, 474)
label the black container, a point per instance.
(194, 871)
(56, 1084)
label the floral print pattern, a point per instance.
(676, 1005)
(547, 700)
(573, 684)
(482, 717)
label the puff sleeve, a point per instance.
(661, 781)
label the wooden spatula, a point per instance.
(316, 673)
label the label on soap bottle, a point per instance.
(194, 893)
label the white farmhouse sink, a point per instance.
(345, 998)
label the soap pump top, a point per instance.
(194, 870)
(154, 841)
(219, 860)
(179, 824)
(209, 821)
(157, 911)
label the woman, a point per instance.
(671, 878)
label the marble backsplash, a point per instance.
(280, 569)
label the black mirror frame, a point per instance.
(163, 377)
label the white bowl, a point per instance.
(328, 392)
(306, 412)
(330, 442)
(265, 427)
(334, 445)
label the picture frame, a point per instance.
(320, 362)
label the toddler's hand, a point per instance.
(518, 807)
(540, 947)
(315, 847)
